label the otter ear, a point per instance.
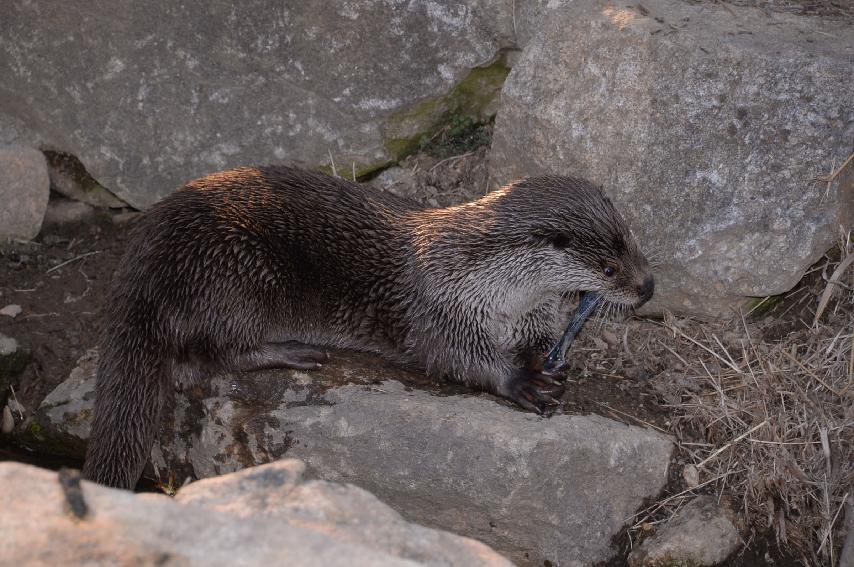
(559, 240)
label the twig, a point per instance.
(730, 444)
(673, 352)
(17, 403)
(331, 159)
(829, 529)
(660, 504)
(80, 257)
(810, 372)
(624, 414)
(836, 173)
(830, 288)
(452, 158)
(708, 350)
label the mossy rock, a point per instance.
(471, 102)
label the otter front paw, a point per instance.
(537, 366)
(535, 391)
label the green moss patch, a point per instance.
(456, 119)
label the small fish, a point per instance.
(556, 358)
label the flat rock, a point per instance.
(12, 310)
(165, 93)
(707, 124)
(701, 534)
(69, 177)
(24, 192)
(63, 211)
(268, 515)
(534, 489)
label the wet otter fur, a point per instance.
(258, 267)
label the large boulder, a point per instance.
(149, 95)
(24, 192)
(709, 125)
(535, 489)
(269, 515)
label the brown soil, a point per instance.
(61, 306)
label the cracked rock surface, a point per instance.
(532, 488)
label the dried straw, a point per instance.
(770, 424)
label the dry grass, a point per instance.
(768, 425)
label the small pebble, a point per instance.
(52, 239)
(63, 211)
(610, 338)
(7, 423)
(691, 476)
(11, 310)
(124, 218)
(8, 345)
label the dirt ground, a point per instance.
(61, 304)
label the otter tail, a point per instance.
(131, 390)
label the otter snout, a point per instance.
(645, 290)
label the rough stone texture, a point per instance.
(707, 128)
(69, 177)
(24, 190)
(264, 516)
(63, 211)
(12, 310)
(151, 95)
(698, 535)
(535, 489)
(63, 421)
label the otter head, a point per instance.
(581, 242)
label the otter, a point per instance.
(263, 267)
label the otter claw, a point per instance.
(536, 393)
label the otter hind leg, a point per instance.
(290, 354)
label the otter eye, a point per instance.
(609, 271)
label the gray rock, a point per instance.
(269, 515)
(62, 211)
(124, 218)
(700, 534)
(709, 131)
(69, 177)
(24, 191)
(12, 310)
(7, 420)
(63, 421)
(535, 489)
(166, 93)
(8, 345)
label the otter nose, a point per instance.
(646, 288)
